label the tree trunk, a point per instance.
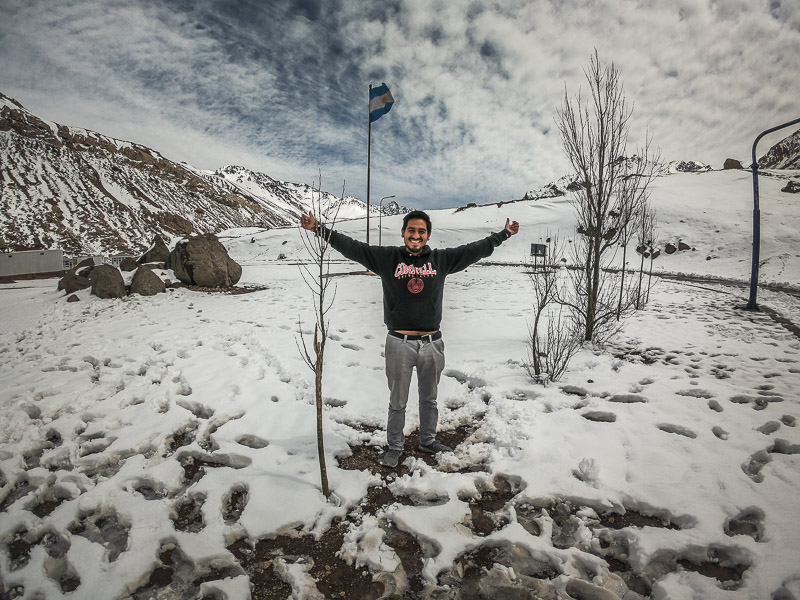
(639, 287)
(622, 281)
(323, 469)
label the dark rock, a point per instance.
(73, 298)
(71, 283)
(682, 246)
(146, 283)
(732, 163)
(128, 264)
(157, 253)
(202, 260)
(107, 282)
(670, 249)
(793, 187)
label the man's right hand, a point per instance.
(308, 221)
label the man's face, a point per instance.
(416, 235)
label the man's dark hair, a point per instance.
(417, 214)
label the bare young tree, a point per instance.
(543, 283)
(594, 133)
(645, 237)
(575, 296)
(550, 348)
(316, 275)
(633, 193)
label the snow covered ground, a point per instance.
(147, 445)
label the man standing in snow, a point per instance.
(413, 286)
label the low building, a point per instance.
(31, 262)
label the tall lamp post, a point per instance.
(752, 302)
(380, 218)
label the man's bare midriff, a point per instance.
(407, 332)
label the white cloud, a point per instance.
(283, 89)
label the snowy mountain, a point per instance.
(570, 183)
(783, 155)
(87, 193)
(291, 199)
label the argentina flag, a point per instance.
(380, 102)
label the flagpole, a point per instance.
(369, 156)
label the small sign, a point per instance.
(538, 250)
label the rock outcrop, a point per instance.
(783, 155)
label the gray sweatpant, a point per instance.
(401, 359)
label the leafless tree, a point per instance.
(594, 133)
(575, 296)
(316, 275)
(645, 237)
(633, 193)
(549, 351)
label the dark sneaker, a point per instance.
(391, 458)
(434, 447)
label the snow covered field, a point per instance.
(150, 447)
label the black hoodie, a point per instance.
(413, 286)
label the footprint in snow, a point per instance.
(752, 467)
(696, 393)
(599, 416)
(747, 522)
(461, 377)
(677, 429)
(197, 409)
(252, 441)
(352, 347)
(627, 398)
(719, 432)
(769, 427)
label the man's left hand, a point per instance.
(512, 227)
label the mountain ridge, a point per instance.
(88, 193)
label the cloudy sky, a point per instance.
(281, 86)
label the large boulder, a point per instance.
(107, 282)
(732, 163)
(146, 283)
(72, 282)
(157, 253)
(128, 264)
(202, 260)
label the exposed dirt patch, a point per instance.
(333, 577)
(368, 458)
